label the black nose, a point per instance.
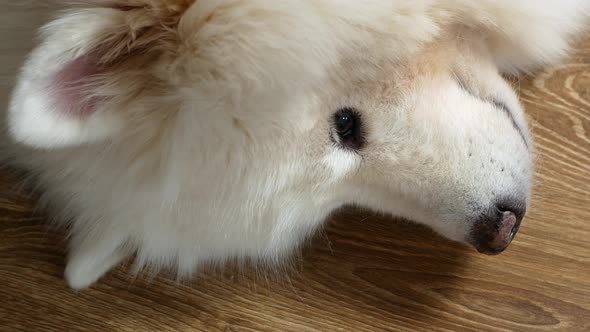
(494, 230)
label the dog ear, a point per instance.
(92, 60)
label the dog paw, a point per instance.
(84, 268)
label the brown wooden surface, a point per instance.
(363, 273)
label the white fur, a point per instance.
(42, 127)
(220, 145)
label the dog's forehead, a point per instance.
(379, 76)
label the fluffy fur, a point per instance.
(194, 131)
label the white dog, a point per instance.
(192, 131)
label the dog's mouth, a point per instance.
(502, 106)
(499, 105)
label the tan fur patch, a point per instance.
(148, 26)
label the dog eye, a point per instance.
(347, 128)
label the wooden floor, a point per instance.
(363, 273)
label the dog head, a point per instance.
(396, 105)
(441, 139)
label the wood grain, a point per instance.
(362, 273)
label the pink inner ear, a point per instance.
(70, 87)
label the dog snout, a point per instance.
(493, 231)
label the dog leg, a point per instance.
(92, 258)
